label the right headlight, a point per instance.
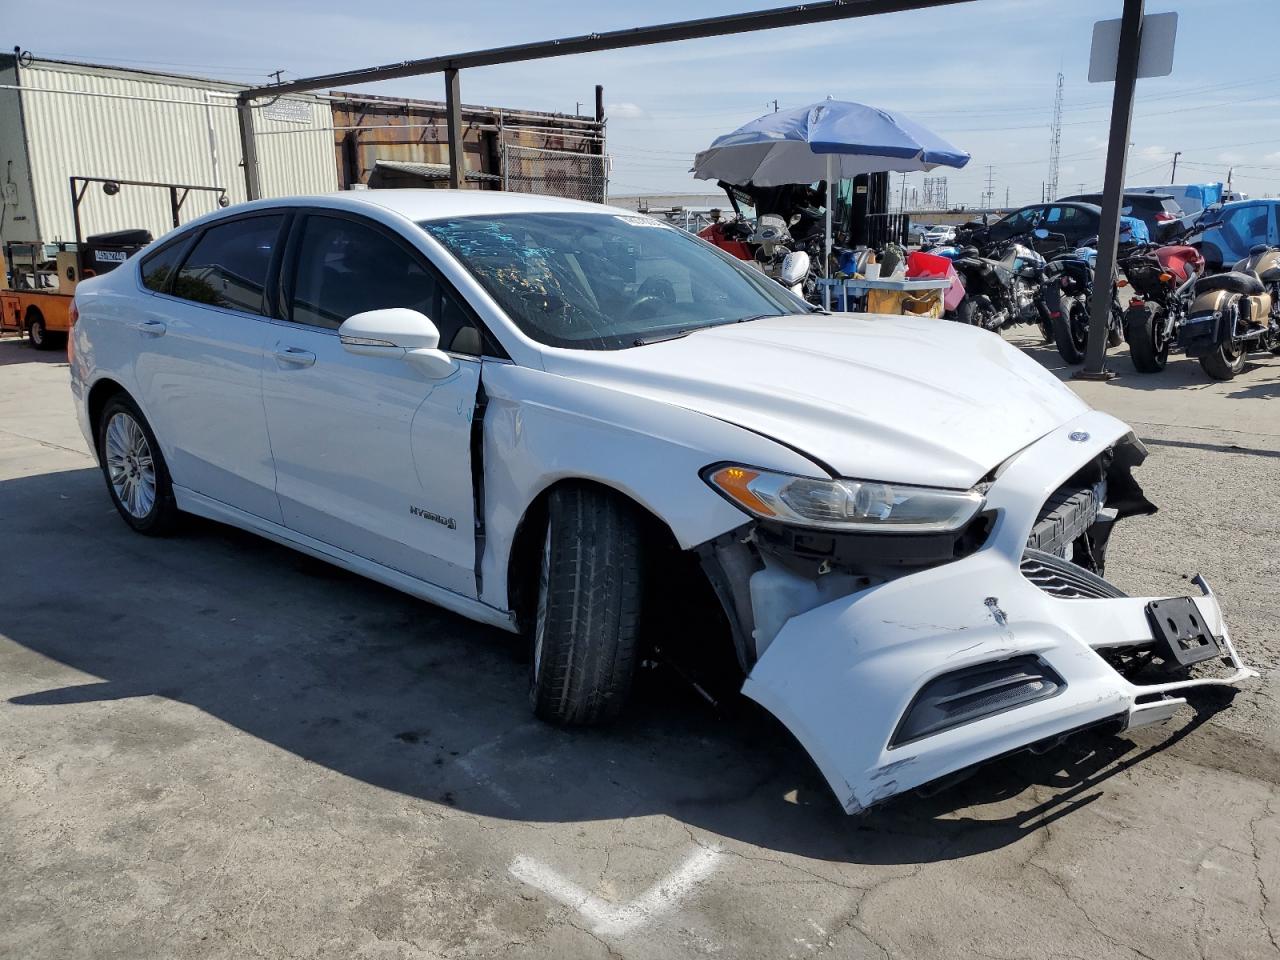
(852, 505)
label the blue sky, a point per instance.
(980, 73)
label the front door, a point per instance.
(200, 357)
(371, 456)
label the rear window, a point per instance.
(158, 268)
(228, 265)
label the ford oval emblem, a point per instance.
(1078, 437)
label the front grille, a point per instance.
(1062, 578)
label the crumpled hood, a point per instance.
(897, 399)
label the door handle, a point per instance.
(295, 357)
(154, 328)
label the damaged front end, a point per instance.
(899, 659)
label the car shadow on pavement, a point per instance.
(403, 696)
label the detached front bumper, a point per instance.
(844, 676)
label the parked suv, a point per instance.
(1160, 212)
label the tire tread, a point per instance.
(594, 590)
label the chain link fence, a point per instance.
(555, 173)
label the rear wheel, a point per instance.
(1225, 360)
(136, 474)
(1071, 330)
(1148, 346)
(38, 331)
(586, 630)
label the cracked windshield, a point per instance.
(604, 281)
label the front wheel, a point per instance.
(586, 630)
(1148, 345)
(1071, 330)
(967, 312)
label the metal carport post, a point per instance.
(1095, 357)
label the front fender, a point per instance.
(540, 428)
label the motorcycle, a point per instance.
(1162, 279)
(1232, 313)
(1068, 294)
(770, 246)
(1002, 289)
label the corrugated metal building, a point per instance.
(59, 119)
(391, 142)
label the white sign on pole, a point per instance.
(1155, 58)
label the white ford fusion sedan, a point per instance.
(572, 421)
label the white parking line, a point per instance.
(610, 919)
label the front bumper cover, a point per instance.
(842, 675)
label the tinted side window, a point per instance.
(228, 265)
(345, 268)
(159, 267)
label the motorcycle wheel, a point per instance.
(1071, 330)
(1225, 360)
(1115, 331)
(967, 312)
(1148, 346)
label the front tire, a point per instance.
(136, 474)
(587, 626)
(1148, 347)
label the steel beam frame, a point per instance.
(823, 12)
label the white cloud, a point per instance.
(624, 111)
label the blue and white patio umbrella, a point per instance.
(831, 140)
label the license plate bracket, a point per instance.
(1178, 625)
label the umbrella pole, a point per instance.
(826, 245)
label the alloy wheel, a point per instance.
(130, 465)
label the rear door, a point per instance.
(1069, 221)
(200, 355)
(371, 456)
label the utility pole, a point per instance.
(276, 74)
(1055, 144)
(775, 104)
(1173, 174)
(990, 194)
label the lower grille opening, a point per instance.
(973, 693)
(1062, 578)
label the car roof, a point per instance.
(1091, 207)
(1079, 197)
(420, 204)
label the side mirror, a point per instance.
(397, 333)
(1040, 233)
(795, 267)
